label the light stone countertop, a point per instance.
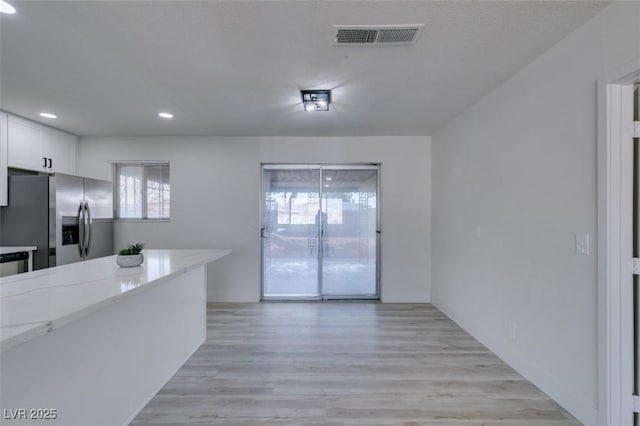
(15, 249)
(35, 303)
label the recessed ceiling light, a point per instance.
(165, 115)
(6, 8)
(48, 115)
(327, 178)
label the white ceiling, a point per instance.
(236, 67)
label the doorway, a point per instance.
(320, 231)
(618, 243)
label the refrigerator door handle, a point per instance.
(82, 230)
(90, 227)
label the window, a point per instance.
(295, 208)
(142, 191)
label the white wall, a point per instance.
(521, 165)
(215, 199)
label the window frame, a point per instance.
(116, 165)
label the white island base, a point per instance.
(103, 366)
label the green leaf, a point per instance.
(132, 249)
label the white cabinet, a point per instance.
(4, 151)
(59, 148)
(24, 144)
(33, 146)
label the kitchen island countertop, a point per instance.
(38, 302)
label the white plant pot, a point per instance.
(128, 261)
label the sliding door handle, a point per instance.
(50, 163)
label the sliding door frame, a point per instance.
(376, 295)
(263, 229)
(320, 253)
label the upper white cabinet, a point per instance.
(24, 144)
(3, 158)
(33, 146)
(59, 148)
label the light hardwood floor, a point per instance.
(345, 364)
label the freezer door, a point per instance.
(98, 197)
(70, 223)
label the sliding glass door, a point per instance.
(320, 236)
(350, 206)
(291, 199)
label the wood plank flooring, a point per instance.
(345, 364)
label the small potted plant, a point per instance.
(130, 256)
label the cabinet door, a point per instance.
(60, 148)
(3, 159)
(25, 144)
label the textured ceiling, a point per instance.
(236, 68)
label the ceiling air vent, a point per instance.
(376, 35)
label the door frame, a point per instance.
(615, 245)
(320, 166)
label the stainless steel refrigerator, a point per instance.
(69, 218)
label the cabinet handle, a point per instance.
(44, 162)
(50, 163)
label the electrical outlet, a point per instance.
(582, 244)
